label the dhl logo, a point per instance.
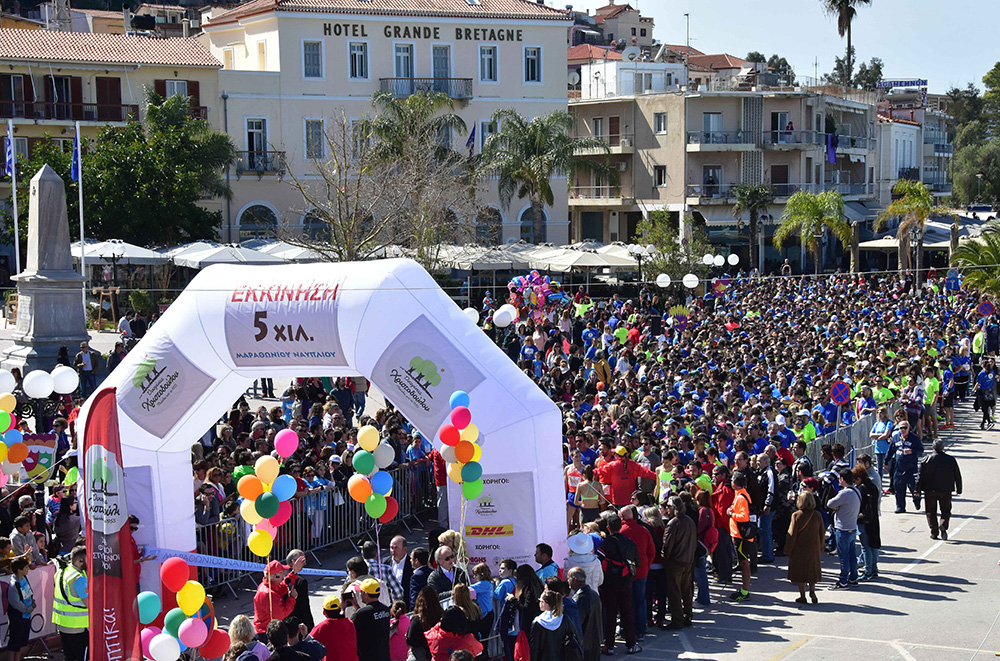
(490, 531)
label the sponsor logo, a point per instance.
(506, 530)
(416, 380)
(487, 547)
(477, 559)
(105, 491)
(484, 505)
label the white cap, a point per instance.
(779, 419)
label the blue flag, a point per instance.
(470, 144)
(74, 171)
(9, 161)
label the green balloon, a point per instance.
(266, 505)
(471, 472)
(172, 621)
(472, 489)
(375, 505)
(71, 476)
(364, 462)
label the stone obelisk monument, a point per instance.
(49, 310)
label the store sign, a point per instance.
(423, 32)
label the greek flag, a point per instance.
(470, 144)
(10, 158)
(74, 171)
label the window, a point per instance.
(256, 221)
(486, 129)
(12, 90)
(404, 61)
(659, 122)
(642, 83)
(20, 148)
(633, 32)
(659, 175)
(528, 228)
(488, 64)
(261, 56)
(642, 32)
(315, 139)
(176, 87)
(359, 60)
(228, 59)
(598, 127)
(312, 59)
(532, 64)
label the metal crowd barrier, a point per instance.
(854, 438)
(319, 520)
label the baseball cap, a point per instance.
(414, 434)
(332, 603)
(779, 419)
(335, 459)
(621, 451)
(275, 567)
(371, 587)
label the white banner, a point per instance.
(500, 523)
(41, 579)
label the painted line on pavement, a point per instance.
(902, 651)
(854, 639)
(790, 649)
(951, 533)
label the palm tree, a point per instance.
(914, 204)
(417, 122)
(845, 11)
(809, 215)
(753, 199)
(525, 155)
(979, 258)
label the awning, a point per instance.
(716, 216)
(857, 211)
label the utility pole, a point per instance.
(816, 71)
(687, 18)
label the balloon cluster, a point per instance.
(12, 449)
(371, 484)
(191, 624)
(533, 291)
(266, 494)
(460, 449)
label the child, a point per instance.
(21, 603)
(398, 626)
(483, 591)
(336, 632)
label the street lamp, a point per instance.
(39, 385)
(979, 186)
(638, 252)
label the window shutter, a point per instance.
(76, 96)
(29, 96)
(160, 87)
(195, 93)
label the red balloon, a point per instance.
(450, 435)
(174, 573)
(284, 513)
(391, 510)
(217, 645)
(461, 417)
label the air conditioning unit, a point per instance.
(623, 166)
(626, 142)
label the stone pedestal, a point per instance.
(50, 310)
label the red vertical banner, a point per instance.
(112, 579)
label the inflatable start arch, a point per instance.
(387, 320)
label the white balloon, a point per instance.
(663, 280)
(719, 260)
(707, 260)
(65, 379)
(502, 318)
(384, 455)
(510, 308)
(733, 259)
(38, 384)
(164, 647)
(690, 281)
(8, 468)
(448, 454)
(7, 381)
(472, 314)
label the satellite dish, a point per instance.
(511, 240)
(573, 78)
(631, 54)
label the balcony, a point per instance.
(938, 186)
(854, 142)
(710, 194)
(260, 163)
(721, 141)
(913, 174)
(851, 191)
(456, 88)
(618, 143)
(936, 143)
(788, 140)
(86, 112)
(602, 197)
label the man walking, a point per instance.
(846, 506)
(939, 476)
(908, 450)
(86, 363)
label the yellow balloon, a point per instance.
(265, 487)
(477, 452)
(470, 433)
(8, 402)
(249, 512)
(191, 598)
(368, 438)
(3, 451)
(266, 468)
(260, 543)
(455, 472)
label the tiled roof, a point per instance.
(684, 50)
(718, 61)
(102, 48)
(100, 13)
(610, 11)
(484, 9)
(592, 52)
(883, 117)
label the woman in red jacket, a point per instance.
(722, 498)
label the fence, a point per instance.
(319, 520)
(855, 439)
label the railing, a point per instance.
(720, 138)
(850, 189)
(100, 112)
(853, 142)
(260, 162)
(938, 185)
(855, 439)
(710, 190)
(612, 140)
(595, 192)
(456, 88)
(931, 136)
(792, 138)
(913, 174)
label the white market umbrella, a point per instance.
(225, 254)
(188, 248)
(115, 251)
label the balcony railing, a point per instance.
(456, 88)
(913, 174)
(850, 189)
(938, 185)
(853, 142)
(720, 138)
(611, 140)
(595, 193)
(716, 191)
(98, 112)
(792, 138)
(710, 190)
(260, 163)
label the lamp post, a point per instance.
(979, 186)
(38, 386)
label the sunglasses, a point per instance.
(448, 557)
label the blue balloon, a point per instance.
(381, 482)
(284, 487)
(149, 606)
(472, 471)
(459, 398)
(13, 436)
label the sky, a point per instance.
(948, 42)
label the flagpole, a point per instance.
(79, 191)
(13, 195)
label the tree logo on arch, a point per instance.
(424, 374)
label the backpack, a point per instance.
(829, 486)
(615, 568)
(748, 529)
(869, 506)
(572, 650)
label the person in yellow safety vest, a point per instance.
(69, 608)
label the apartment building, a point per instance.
(291, 69)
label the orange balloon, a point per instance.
(359, 488)
(250, 487)
(464, 452)
(17, 453)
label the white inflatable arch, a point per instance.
(234, 324)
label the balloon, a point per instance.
(64, 379)
(449, 435)
(459, 398)
(172, 620)
(8, 468)
(190, 599)
(163, 646)
(260, 543)
(472, 471)
(71, 475)
(12, 436)
(3, 456)
(284, 487)
(455, 473)
(448, 454)
(472, 489)
(17, 453)
(363, 462)
(284, 513)
(368, 438)
(461, 417)
(149, 606)
(502, 318)
(37, 384)
(375, 505)
(384, 455)
(391, 510)
(472, 314)
(286, 442)
(381, 483)
(266, 468)
(477, 453)
(146, 636)
(359, 488)
(464, 452)
(193, 632)
(7, 381)
(174, 573)
(4, 419)
(217, 645)
(250, 487)
(265, 525)
(267, 505)
(248, 511)
(470, 433)
(13, 423)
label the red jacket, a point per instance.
(621, 476)
(271, 604)
(644, 542)
(722, 498)
(339, 638)
(440, 470)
